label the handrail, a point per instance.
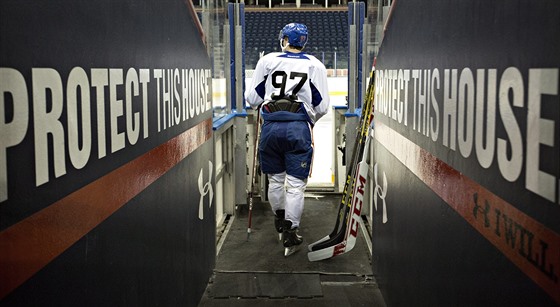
(219, 122)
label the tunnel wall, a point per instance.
(467, 147)
(106, 155)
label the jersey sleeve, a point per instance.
(255, 92)
(320, 91)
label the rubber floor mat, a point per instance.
(273, 285)
(262, 252)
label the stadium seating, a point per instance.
(328, 33)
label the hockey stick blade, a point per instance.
(327, 252)
(323, 239)
(334, 250)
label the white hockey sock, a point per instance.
(294, 199)
(277, 191)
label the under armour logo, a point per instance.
(304, 164)
(380, 192)
(205, 189)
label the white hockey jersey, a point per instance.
(287, 73)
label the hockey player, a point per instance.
(292, 88)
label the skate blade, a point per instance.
(290, 250)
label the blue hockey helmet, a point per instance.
(296, 33)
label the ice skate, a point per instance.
(291, 239)
(279, 223)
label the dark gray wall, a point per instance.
(128, 225)
(474, 221)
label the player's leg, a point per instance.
(298, 163)
(294, 209)
(277, 199)
(272, 163)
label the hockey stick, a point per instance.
(351, 229)
(365, 119)
(253, 176)
(335, 244)
(338, 232)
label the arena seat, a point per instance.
(328, 33)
